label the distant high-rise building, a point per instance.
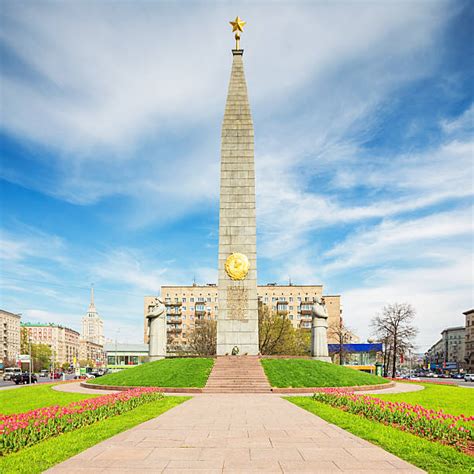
(92, 325)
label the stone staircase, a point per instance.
(237, 374)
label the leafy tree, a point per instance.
(274, 331)
(342, 334)
(394, 328)
(24, 341)
(203, 339)
(41, 355)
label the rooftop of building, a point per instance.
(47, 325)
(85, 341)
(120, 347)
(469, 311)
(454, 328)
(214, 285)
(10, 314)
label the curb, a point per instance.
(122, 388)
(356, 388)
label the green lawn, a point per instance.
(449, 398)
(18, 400)
(186, 372)
(313, 373)
(427, 455)
(43, 455)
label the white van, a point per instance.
(10, 372)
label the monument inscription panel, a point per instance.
(237, 298)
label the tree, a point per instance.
(203, 339)
(24, 341)
(41, 355)
(395, 329)
(342, 334)
(273, 331)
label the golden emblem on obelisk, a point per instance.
(237, 266)
(237, 25)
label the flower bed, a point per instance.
(20, 430)
(457, 431)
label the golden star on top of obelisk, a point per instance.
(237, 24)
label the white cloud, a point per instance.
(107, 81)
(401, 241)
(463, 123)
(439, 294)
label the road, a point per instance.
(6, 385)
(458, 382)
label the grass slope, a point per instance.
(451, 399)
(313, 373)
(19, 400)
(43, 455)
(190, 372)
(432, 457)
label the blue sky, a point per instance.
(110, 136)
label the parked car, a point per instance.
(24, 378)
(469, 377)
(44, 373)
(55, 375)
(10, 372)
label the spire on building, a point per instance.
(92, 305)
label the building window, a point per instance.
(291, 299)
(184, 300)
(192, 300)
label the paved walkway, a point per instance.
(75, 387)
(235, 433)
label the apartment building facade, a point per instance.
(90, 351)
(469, 341)
(64, 342)
(10, 336)
(187, 304)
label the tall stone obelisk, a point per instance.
(237, 322)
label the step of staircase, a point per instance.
(237, 374)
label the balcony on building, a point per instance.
(174, 330)
(306, 309)
(282, 308)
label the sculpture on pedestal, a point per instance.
(319, 330)
(156, 318)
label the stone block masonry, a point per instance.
(237, 324)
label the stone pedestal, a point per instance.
(237, 322)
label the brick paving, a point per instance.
(231, 433)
